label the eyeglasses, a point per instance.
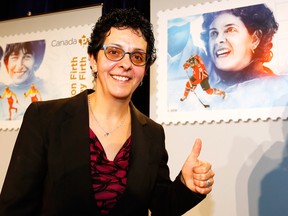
(115, 53)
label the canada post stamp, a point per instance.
(222, 61)
(39, 66)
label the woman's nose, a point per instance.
(221, 38)
(125, 62)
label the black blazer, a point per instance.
(49, 172)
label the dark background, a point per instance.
(22, 8)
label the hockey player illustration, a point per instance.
(199, 76)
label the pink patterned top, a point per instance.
(109, 178)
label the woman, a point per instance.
(95, 153)
(22, 60)
(239, 42)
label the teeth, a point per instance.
(222, 51)
(120, 78)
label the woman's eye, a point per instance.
(231, 30)
(113, 52)
(13, 57)
(139, 57)
(213, 34)
(28, 56)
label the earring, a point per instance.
(93, 67)
(253, 48)
(141, 83)
(95, 74)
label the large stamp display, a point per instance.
(223, 61)
(47, 63)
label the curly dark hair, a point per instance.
(257, 18)
(122, 18)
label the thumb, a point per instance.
(193, 157)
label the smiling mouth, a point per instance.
(222, 52)
(120, 78)
(19, 73)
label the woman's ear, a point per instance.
(93, 64)
(256, 38)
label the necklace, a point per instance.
(106, 133)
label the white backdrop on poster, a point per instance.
(257, 98)
(249, 157)
(59, 45)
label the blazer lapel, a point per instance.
(137, 183)
(139, 160)
(75, 143)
